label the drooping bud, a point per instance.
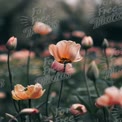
(41, 28)
(29, 111)
(87, 42)
(93, 71)
(12, 43)
(105, 43)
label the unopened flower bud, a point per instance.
(93, 71)
(87, 42)
(41, 28)
(29, 111)
(105, 43)
(12, 43)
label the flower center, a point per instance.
(65, 60)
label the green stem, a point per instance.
(47, 99)
(10, 78)
(95, 85)
(62, 82)
(48, 93)
(85, 78)
(107, 62)
(28, 79)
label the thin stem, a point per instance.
(47, 99)
(95, 85)
(10, 79)
(85, 78)
(48, 93)
(107, 62)
(62, 82)
(28, 78)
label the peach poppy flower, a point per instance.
(42, 28)
(111, 97)
(60, 67)
(78, 109)
(30, 92)
(65, 51)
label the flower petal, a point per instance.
(54, 52)
(14, 96)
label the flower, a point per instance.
(41, 28)
(30, 92)
(78, 34)
(29, 111)
(87, 42)
(12, 43)
(4, 58)
(78, 109)
(105, 43)
(93, 71)
(65, 51)
(22, 54)
(60, 67)
(111, 97)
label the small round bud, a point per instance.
(87, 42)
(93, 71)
(12, 43)
(105, 43)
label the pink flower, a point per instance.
(111, 97)
(79, 34)
(23, 54)
(12, 43)
(4, 58)
(29, 111)
(60, 67)
(41, 28)
(78, 109)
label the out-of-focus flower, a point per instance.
(72, 3)
(23, 54)
(105, 43)
(4, 58)
(2, 95)
(30, 92)
(110, 52)
(60, 67)
(41, 28)
(29, 111)
(78, 34)
(45, 53)
(78, 109)
(12, 43)
(93, 71)
(111, 97)
(65, 51)
(87, 42)
(3, 48)
(53, 94)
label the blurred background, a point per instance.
(70, 20)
